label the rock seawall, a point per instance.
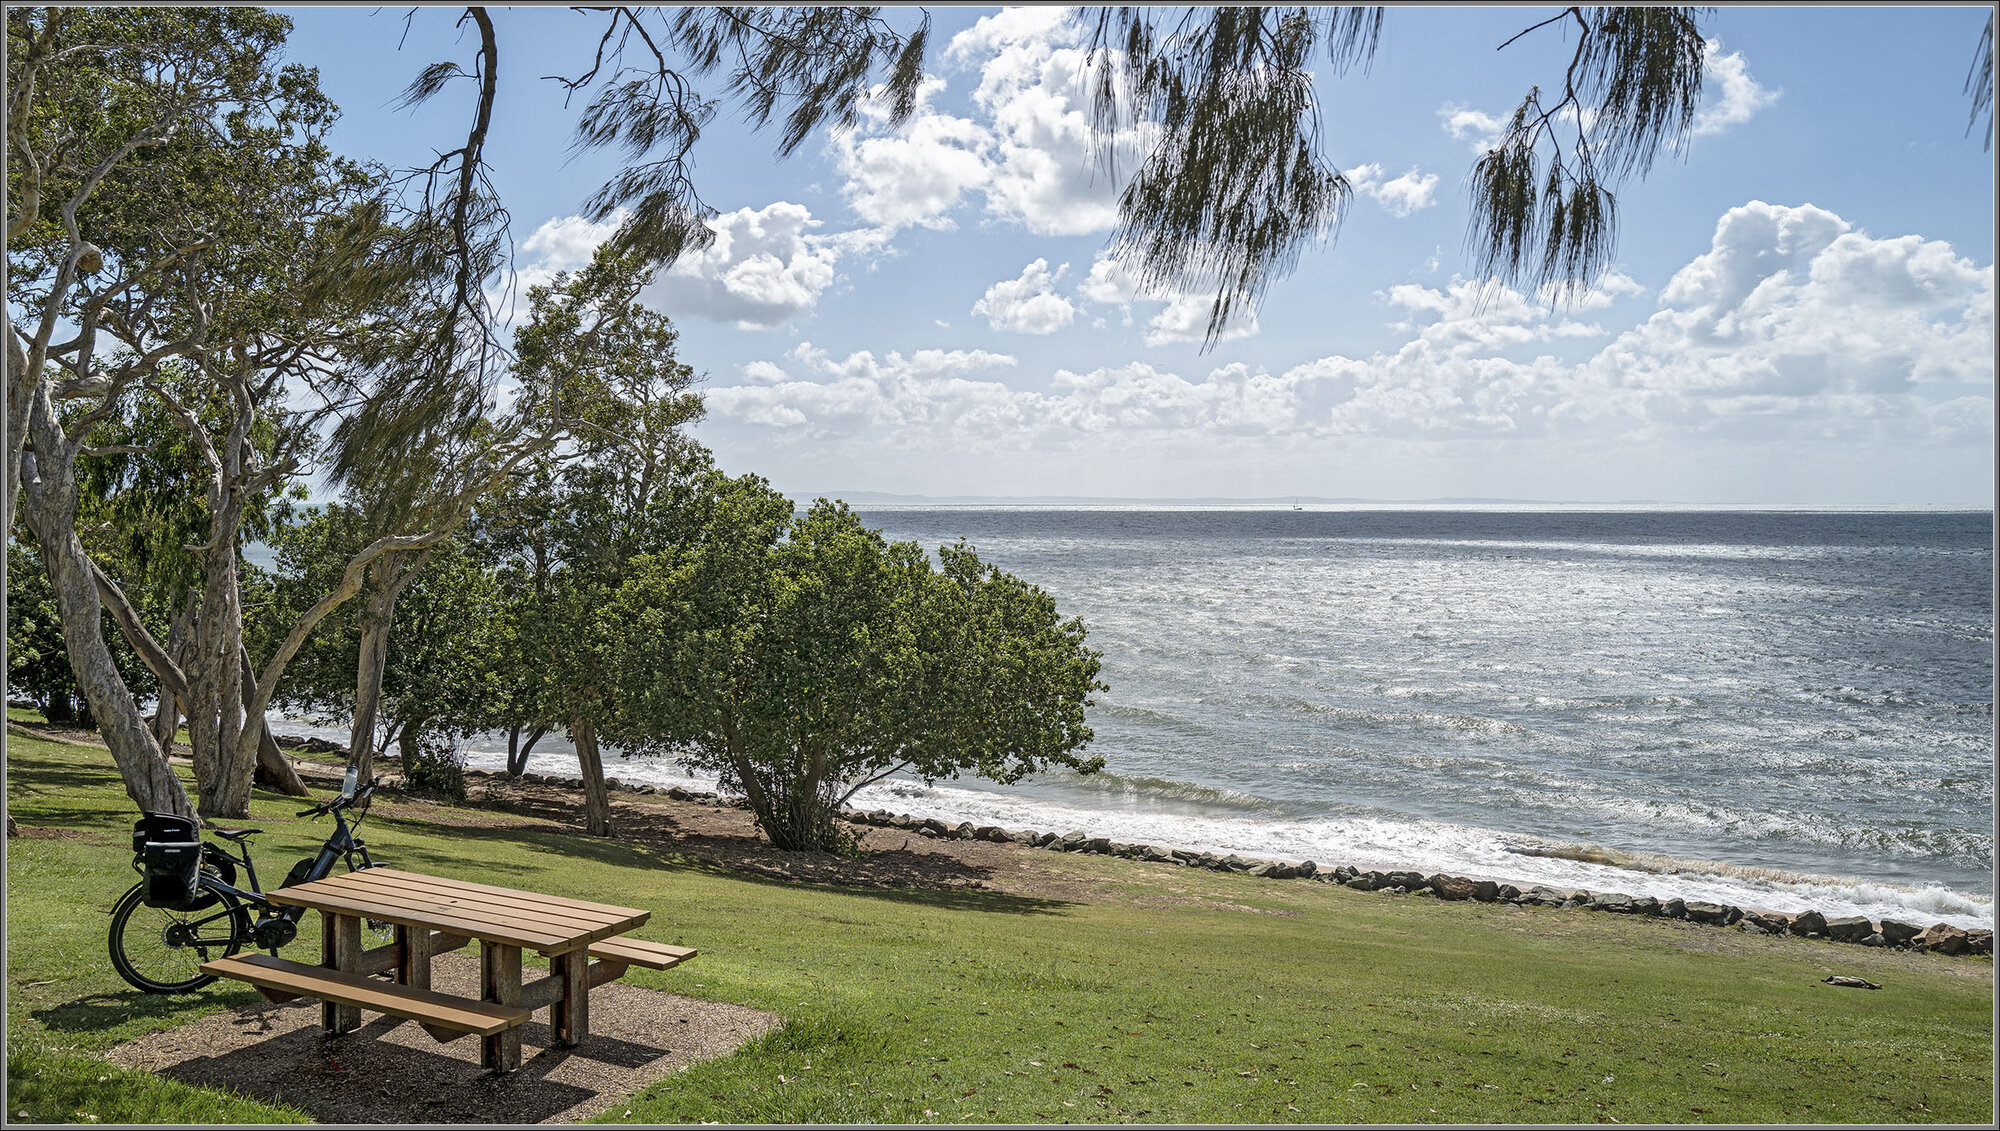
(1938, 938)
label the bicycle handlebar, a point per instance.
(342, 801)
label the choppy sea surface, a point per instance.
(1783, 709)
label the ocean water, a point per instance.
(1784, 709)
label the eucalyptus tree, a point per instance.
(99, 221)
(802, 658)
(177, 204)
(143, 515)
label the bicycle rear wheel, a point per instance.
(160, 950)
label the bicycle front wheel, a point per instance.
(160, 950)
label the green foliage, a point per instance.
(594, 361)
(1544, 213)
(807, 65)
(801, 658)
(142, 504)
(1234, 186)
(440, 680)
(36, 662)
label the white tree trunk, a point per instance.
(48, 505)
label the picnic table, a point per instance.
(433, 915)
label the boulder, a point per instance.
(1809, 924)
(1071, 842)
(1675, 908)
(1615, 902)
(1409, 880)
(1645, 905)
(1701, 911)
(1897, 933)
(1262, 868)
(1485, 891)
(1770, 922)
(1367, 881)
(1510, 893)
(1307, 870)
(1453, 888)
(1979, 942)
(1943, 938)
(1849, 928)
(1344, 873)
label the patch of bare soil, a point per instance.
(725, 838)
(394, 1073)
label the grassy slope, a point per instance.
(1168, 995)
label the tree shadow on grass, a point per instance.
(97, 1012)
(656, 840)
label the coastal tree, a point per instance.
(803, 658)
(597, 363)
(143, 516)
(126, 130)
(181, 223)
(439, 670)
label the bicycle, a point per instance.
(167, 925)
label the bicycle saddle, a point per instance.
(235, 834)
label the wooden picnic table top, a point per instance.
(549, 924)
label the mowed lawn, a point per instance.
(1148, 994)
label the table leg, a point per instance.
(413, 963)
(570, 1020)
(340, 948)
(500, 983)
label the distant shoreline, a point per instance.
(870, 499)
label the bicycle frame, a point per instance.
(342, 844)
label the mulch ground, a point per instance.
(395, 1073)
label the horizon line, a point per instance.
(895, 499)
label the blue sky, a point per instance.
(1801, 310)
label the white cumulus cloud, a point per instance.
(765, 267)
(1185, 319)
(1027, 304)
(1400, 195)
(1793, 329)
(1479, 130)
(916, 174)
(1731, 96)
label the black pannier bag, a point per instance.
(169, 856)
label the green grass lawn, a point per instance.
(1166, 995)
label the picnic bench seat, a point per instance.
(639, 952)
(442, 1016)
